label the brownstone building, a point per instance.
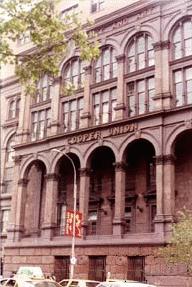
(128, 130)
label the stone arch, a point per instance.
(94, 146)
(144, 28)
(113, 43)
(170, 26)
(11, 133)
(144, 135)
(72, 54)
(56, 157)
(172, 137)
(30, 160)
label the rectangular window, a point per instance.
(72, 111)
(61, 267)
(40, 123)
(4, 220)
(140, 96)
(136, 268)
(66, 15)
(104, 104)
(97, 268)
(97, 5)
(183, 86)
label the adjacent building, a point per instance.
(127, 127)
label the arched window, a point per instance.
(13, 108)
(73, 74)
(105, 67)
(140, 52)
(43, 89)
(9, 166)
(182, 40)
(10, 150)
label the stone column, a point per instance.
(16, 219)
(159, 219)
(55, 105)
(50, 216)
(22, 134)
(84, 197)
(118, 220)
(169, 188)
(85, 118)
(162, 77)
(120, 107)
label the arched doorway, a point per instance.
(140, 187)
(102, 192)
(183, 171)
(65, 196)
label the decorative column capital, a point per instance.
(51, 177)
(23, 182)
(84, 172)
(120, 58)
(88, 70)
(165, 159)
(161, 45)
(120, 166)
(17, 159)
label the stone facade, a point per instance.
(129, 145)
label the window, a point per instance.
(73, 73)
(61, 267)
(136, 268)
(105, 67)
(68, 13)
(97, 268)
(10, 152)
(104, 104)
(140, 96)
(92, 222)
(128, 219)
(182, 40)
(4, 220)
(97, 5)
(183, 86)
(72, 111)
(9, 166)
(43, 89)
(25, 38)
(140, 53)
(40, 123)
(13, 108)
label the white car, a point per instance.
(78, 283)
(123, 283)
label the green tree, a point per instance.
(51, 37)
(179, 250)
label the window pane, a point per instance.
(114, 69)
(151, 60)
(141, 86)
(131, 63)
(141, 103)
(151, 93)
(106, 56)
(188, 73)
(178, 50)
(98, 75)
(178, 76)
(73, 120)
(106, 72)
(96, 114)
(132, 110)
(187, 29)
(140, 44)
(177, 36)
(189, 92)
(41, 129)
(105, 96)
(141, 61)
(188, 47)
(149, 43)
(179, 94)
(105, 115)
(113, 112)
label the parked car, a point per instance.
(123, 283)
(25, 281)
(78, 283)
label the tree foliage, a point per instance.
(179, 250)
(49, 34)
